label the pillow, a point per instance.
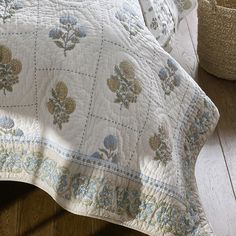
(185, 6)
(162, 17)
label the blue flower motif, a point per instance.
(83, 187)
(172, 65)
(68, 35)
(6, 122)
(12, 163)
(122, 200)
(110, 142)
(61, 182)
(55, 33)
(146, 210)
(169, 77)
(65, 20)
(177, 80)
(109, 151)
(163, 74)
(105, 196)
(80, 31)
(31, 162)
(7, 127)
(19, 133)
(96, 155)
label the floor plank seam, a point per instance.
(230, 179)
(192, 40)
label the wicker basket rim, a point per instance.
(217, 38)
(233, 8)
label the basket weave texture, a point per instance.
(217, 37)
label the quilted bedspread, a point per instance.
(97, 114)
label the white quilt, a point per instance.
(97, 114)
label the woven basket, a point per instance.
(217, 37)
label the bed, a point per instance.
(94, 111)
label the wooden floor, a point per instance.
(27, 210)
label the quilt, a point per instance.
(95, 112)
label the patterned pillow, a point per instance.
(162, 17)
(185, 6)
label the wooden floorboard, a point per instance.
(86, 226)
(26, 210)
(35, 210)
(215, 189)
(192, 22)
(8, 208)
(223, 95)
